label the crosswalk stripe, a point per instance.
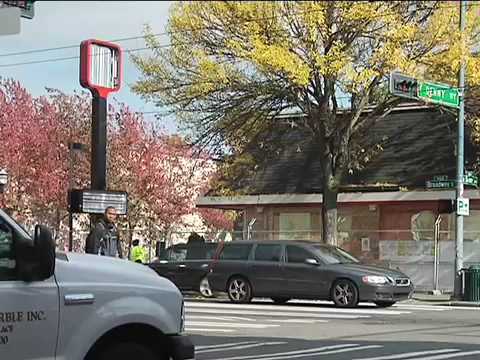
(191, 329)
(409, 355)
(241, 347)
(296, 352)
(419, 307)
(217, 346)
(218, 305)
(359, 348)
(299, 321)
(449, 356)
(271, 313)
(222, 318)
(229, 325)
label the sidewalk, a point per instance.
(442, 299)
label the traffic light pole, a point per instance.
(99, 143)
(460, 167)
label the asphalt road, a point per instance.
(317, 330)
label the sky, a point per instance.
(67, 23)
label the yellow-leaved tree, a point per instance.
(232, 67)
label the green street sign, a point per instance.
(441, 184)
(439, 94)
(470, 180)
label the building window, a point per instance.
(295, 226)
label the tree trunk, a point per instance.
(329, 216)
(329, 203)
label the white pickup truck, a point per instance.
(83, 307)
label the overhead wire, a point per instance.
(35, 51)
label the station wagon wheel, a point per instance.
(205, 289)
(239, 290)
(344, 293)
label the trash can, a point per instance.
(472, 283)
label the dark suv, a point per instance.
(282, 270)
(186, 265)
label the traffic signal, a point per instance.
(403, 86)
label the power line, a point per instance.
(36, 51)
(74, 57)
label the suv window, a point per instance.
(235, 252)
(177, 254)
(297, 254)
(7, 254)
(200, 251)
(268, 252)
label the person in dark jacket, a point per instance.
(104, 238)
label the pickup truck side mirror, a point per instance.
(37, 262)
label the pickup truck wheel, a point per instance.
(127, 351)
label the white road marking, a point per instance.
(409, 355)
(309, 351)
(229, 325)
(449, 356)
(271, 313)
(299, 321)
(311, 309)
(217, 346)
(222, 318)
(359, 348)
(419, 307)
(191, 329)
(241, 347)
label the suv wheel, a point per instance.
(204, 288)
(239, 290)
(344, 293)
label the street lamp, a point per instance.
(3, 177)
(73, 148)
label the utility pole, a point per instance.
(460, 166)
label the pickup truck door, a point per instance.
(28, 311)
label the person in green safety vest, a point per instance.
(138, 253)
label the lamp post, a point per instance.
(73, 148)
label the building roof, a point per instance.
(418, 144)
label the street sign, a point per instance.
(411, 88)
(441, 184)
(463, 207)
(470, 179)
(403, 86)
(439, 94)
